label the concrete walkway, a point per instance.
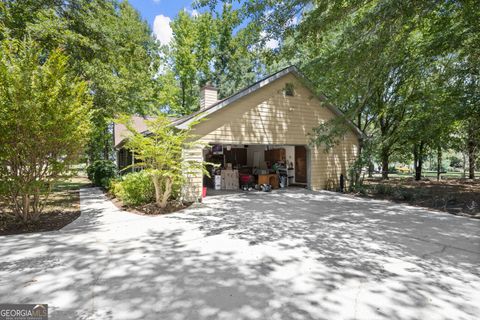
(285, 255)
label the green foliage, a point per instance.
(405, 72)
(161, 154)
(207, 49)
(44, 122)
(109, 45)
(384, 189)
(101, 172)
(392, 169)
(134, 188)
(455, 162)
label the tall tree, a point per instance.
(187, 54)
(208, 48)
(366, 56)
(109, 46)
(44, 123)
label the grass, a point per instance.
(66, 194)
(74, 183)
(429, 174)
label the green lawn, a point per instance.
(429, 174)
(74, 183)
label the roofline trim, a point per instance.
(185, 122)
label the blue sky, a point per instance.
(159, 13)
(151, 8)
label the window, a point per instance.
(289, 90)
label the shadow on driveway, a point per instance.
(291, 254)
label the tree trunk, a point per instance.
(439, 162)
(25, 207)
(184, 97)
(471, 159)
(385, 161)
(158, 189)
(418, 160)
(106, 146)
(167, 193)
(36, 205)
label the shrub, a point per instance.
(360, 189)
(384, 189)
(392, 169)
(402, 194)
(101, 172)
(45, 113)
(134, 189)
(161, 154)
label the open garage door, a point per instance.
(250, 166)
(300, 164)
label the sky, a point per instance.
(159, 13)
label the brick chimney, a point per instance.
(208, 96)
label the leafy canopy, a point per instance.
(44, 122)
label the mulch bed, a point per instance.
(456, 196)
(62, 208)
(48, 221)
(150, 209)
(153, 209)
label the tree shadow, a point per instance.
(291, 254)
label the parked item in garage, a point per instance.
(291, 175)
(342, 183)
(246, 181)
(271, 179)
(266, 187)
(230, 180)
(283, 181)
(246, 188)
(218, 182)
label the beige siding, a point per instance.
(193, 188)
(267, 116)
(208, 97)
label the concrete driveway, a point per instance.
(284, 255)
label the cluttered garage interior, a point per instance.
(255, 167)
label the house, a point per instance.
(266, 124)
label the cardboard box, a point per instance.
(230, 180)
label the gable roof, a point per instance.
(139, 123)
(184, 122)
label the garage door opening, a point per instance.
(255, 167)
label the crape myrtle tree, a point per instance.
(161, 154)
(44, 123)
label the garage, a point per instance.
(264, 134)
(255, 167)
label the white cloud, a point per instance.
(270, 43)
(162, 29)
(194, 13)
